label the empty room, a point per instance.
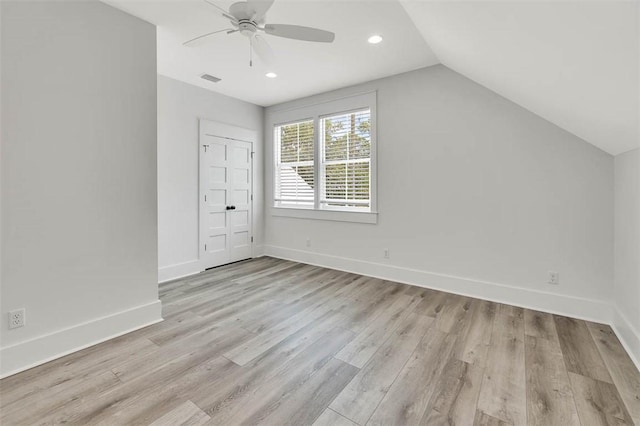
(320, 212)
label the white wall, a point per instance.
(627, 249)
(79, 229)
(180, 105)
(476, 195)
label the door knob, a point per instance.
(231, 207)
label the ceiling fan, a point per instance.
(248, 18)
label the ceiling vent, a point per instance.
(210, 78)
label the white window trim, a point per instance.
(334, 215)
(316, 112)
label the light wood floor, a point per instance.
(276, 342)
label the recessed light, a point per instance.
(271, 75)
(374, 39)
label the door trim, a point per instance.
(225, 131)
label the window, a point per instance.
(294, 164)
(325, 160)
(346, 149)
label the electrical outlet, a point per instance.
(386, 253)
(16, 318)
(308, 242)
(554, 278)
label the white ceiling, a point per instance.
(574, 63)
(303, 68)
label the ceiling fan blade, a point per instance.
(194, 41)
(224, 13)
(299, 33)
(263, 49)
(259, 8)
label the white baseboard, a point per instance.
(628, 335)
(24, 355)
(180, 270)
(572, 306)
(258, 250)
(192, 267)
(576, 307)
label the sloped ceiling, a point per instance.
(574, 63)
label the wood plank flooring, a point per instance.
(273, 342)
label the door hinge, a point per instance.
(252, 154)
(251, 197)
(205, 198)
(205, 247)
(205, 147)
(251, 239)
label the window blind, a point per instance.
(295, 164)
(346, 161)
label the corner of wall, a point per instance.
(180, 270)
(628, 335)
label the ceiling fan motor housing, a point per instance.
(245, 15)
(247, 27)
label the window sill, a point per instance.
(338, 216)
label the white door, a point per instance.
(226, 200)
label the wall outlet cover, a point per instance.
(17, 318)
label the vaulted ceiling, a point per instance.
(574, 63)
